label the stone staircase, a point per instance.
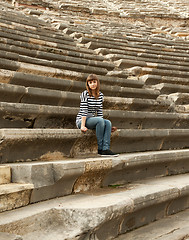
(53, 185)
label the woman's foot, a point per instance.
(99, 152)
(108, 152)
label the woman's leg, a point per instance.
(97, 123)
(107, 134)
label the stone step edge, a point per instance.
(149, 79)
(5, 175)
(26, 172)
(70, 78)
(49, 44)
(42, 31)
(99, 208)
(52, 66)
(71, 142)
(23, 115)
(15, 195)
(36, 110)
(17, 133)
(44, 58)
(33, 95)
(175, 227)
(36, 37)
(14, 187)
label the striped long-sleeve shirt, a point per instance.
(90, 106)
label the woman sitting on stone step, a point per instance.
(90, 115)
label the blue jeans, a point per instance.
(103, 131)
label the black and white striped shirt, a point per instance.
(90, 106)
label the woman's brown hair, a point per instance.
(97, 90)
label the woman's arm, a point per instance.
(83, 121)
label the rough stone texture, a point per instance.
(14, 195)
(44, 116)
(7, 236)
(5, 174)
(173, 227)
(34, 54)
(71, 142)
(88, 214)
(59, 178)
(93, 176)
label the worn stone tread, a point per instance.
(43, 58)
(157, 79)
(20, 94)
(97, 208)
(67, 176)
(174, 227)
(14, 195)
(5, 174)
(171, 88)
(71, 80)
(15, 115)
(51, 65)
(71, 142)
(14, 187)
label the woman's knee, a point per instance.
(101, 122)
(108, 123)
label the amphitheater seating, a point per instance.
(52, 182)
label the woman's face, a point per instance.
(92, 84)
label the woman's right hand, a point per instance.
(84, 129)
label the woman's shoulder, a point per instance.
(84, 94)
(101, 94)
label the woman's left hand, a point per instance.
(114, 129)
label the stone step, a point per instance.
(103, 214)
(39, 31)
(182, 108)
(53, 179)
(5, 174)
(177, 46)
(136, 104)
(68, 80)
(143, 56)
(124, 60)
(49, 59)
(14, 195)
(9, 236)
(177, 98)
(17, 93)
(22, 115)
(22, 41)
(20, 94)
(41, 51)
(149, 79)
(32, 37)
(71, 142)
(54, 67)
(112, 40)
(169, 88)
(136, 50)
(147, 38)
(21, 18)
(173, 227)
(164, 72)
(96, 45)
(127, 63)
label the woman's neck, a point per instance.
(93, 93)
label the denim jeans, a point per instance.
(103, 131)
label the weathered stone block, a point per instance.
(14, 195)
(5, 174)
